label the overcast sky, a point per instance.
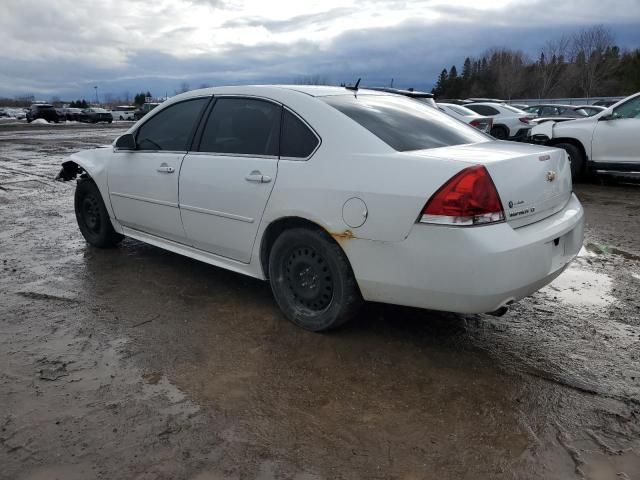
(65, 47)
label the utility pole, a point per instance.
(96, 89)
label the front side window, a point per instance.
(171, 129)
(245, 126)
(297, 140)
(404, 124)
(630, 109)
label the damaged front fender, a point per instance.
(70, 170)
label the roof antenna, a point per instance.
(354, 87)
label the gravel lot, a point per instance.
(138, 363)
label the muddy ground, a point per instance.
(136, 363)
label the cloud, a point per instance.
(65, 49)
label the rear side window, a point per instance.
(404, 124)
(483, 109)
(171, 129)
(297, 141)
(243, 126)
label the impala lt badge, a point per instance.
(551, 176)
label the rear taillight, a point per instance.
(525, 120)
(475, 123)
(468, 198)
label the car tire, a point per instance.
(576, 158)
(121, 118)
(312, 281)
(501, 133)
(92, 216)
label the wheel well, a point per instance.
(577, 143)
(274, 230)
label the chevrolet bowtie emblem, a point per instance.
(551, 176)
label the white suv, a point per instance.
(606, 142)
(509, 123)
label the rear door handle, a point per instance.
(258, 177)
(164, 168)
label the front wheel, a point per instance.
(576, 159)
(312, 281)
(92, 216)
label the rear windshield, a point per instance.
(404, 124)
(513, 109)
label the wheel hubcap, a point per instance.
(309, 278)
(91, 213)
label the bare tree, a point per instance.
(588, 47)
(550, 65)
(184, 87)
(507, 68)
(315, 79)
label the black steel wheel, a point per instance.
(311, 279)
(92, 216)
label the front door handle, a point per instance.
(164, 168)
(258, 177)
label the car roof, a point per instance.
(310, 90)
(410, 92)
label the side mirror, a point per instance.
(606, 115)
(126, 142)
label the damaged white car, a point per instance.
(335, 195)
(607, 142)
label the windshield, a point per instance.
(404, 124)
(465, 112)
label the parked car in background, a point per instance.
(468, 116)
(509, 123)
(44, 111)
(605, 103)
(123, 112)
(95, 115)
(606, 142)
(423, 97)
(591, 110)
(521, 106)
(484, 100)
(553, 110)
(72, 114)
(445, 209)
(4, 113)
(143, 110)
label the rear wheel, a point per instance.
(312, 280)
(500, 133)
(92, 216)
(576, 158)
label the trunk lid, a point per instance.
(533, 182)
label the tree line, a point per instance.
(585, 64)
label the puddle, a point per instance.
(581, 287)
(592, 249)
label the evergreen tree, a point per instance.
(466, 69)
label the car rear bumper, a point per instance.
(467, 270)
(521, 135)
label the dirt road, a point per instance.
(136, 363)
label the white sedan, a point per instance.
(509, 123)
(467, 115)
(335, 196)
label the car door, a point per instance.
(616, 139)
(226, 183)
(143, 183)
